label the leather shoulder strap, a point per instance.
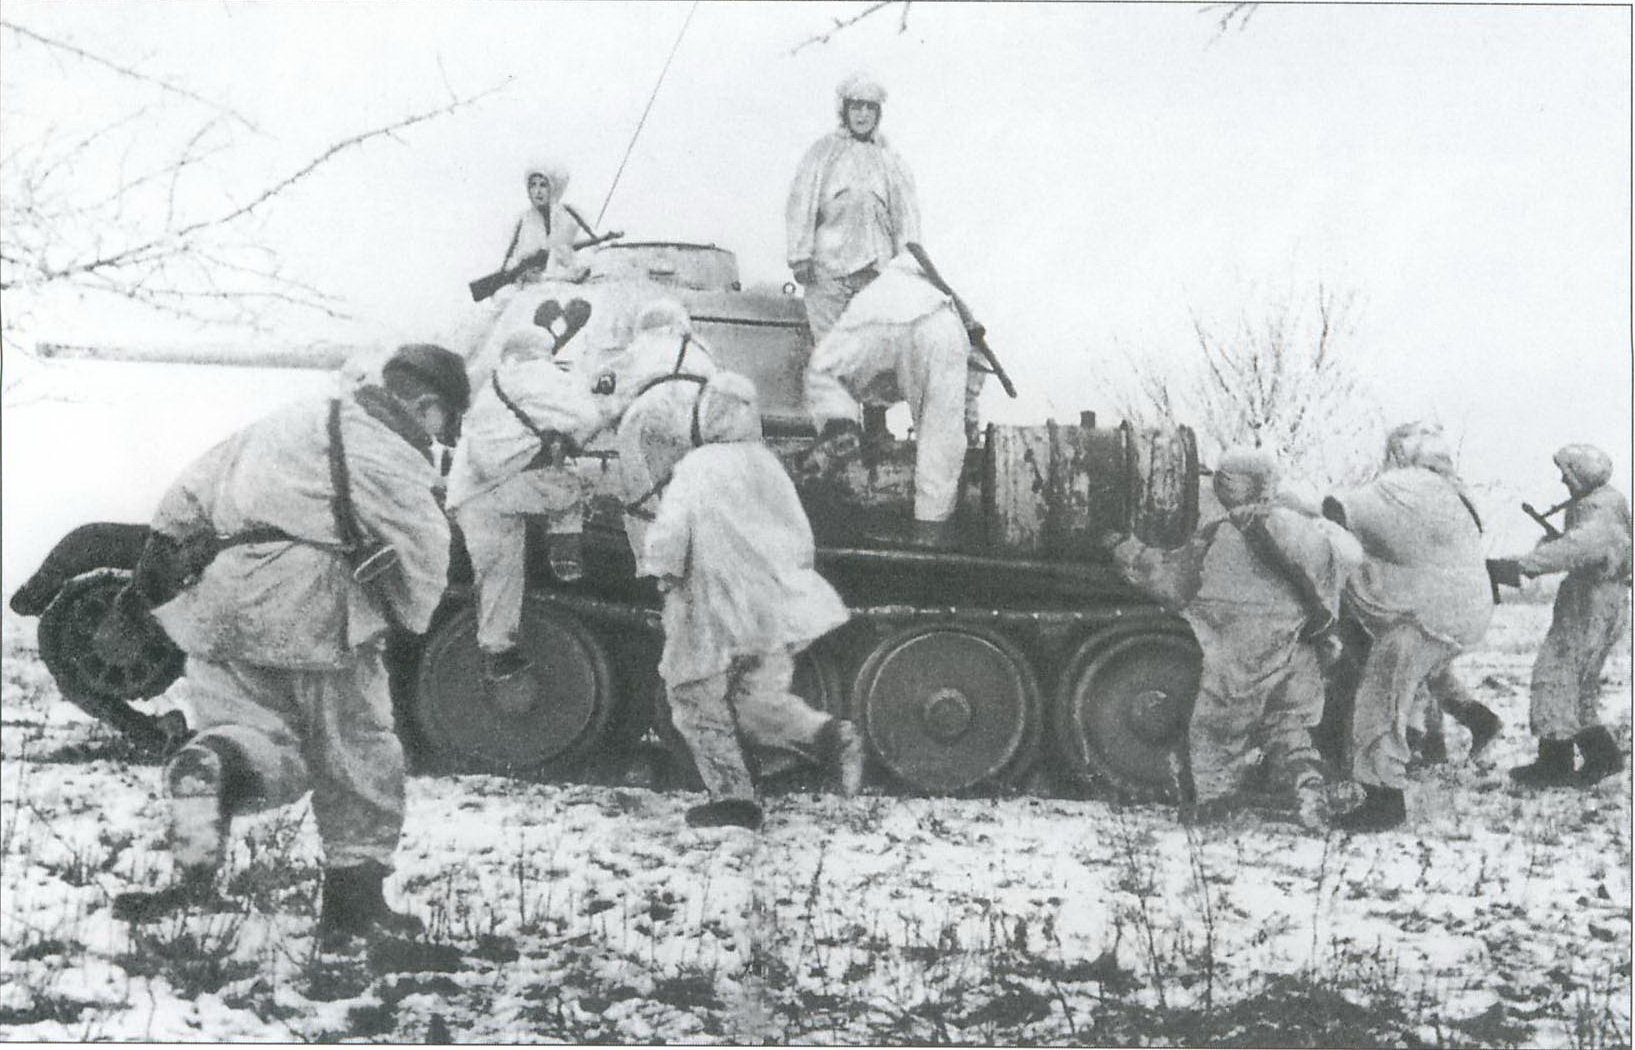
(346, 525)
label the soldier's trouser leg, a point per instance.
(702, 714)
(1294, 707)
(1218, 738)
(495, 528)
(330, 730)
(828, 391)
(1401, 658)
(826, 297)
(769, 715)
(932, 376)
(1566, 687)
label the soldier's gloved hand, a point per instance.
(803, 272)
(666, 584)
(1506, 572)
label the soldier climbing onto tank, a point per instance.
(1422, 595)
(1261, 589)
(511, 465)
(900, 339)
(1591, 614)
(732, 552)
(652, 388)
(276, 562)
(851, 207)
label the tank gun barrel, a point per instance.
(322, 357)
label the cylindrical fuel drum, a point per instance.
(1055, 491)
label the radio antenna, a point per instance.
(650, 98)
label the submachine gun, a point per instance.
(1503, 572)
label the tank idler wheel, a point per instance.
(83, 669)
(948, 708)
(1122, 710)
(550, 734)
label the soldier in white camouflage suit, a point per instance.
(1260, 588)
(1422, 594)
(283, 621)
(1591, 615)
(511, 465)
(851, 207)
(732, 551)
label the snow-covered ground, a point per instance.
(583, 913)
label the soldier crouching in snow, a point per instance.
(900, 339)
(1260, 588)
(276, 562)
(1591, 614)
(732, 551)
(1422, 595)
(511, 464)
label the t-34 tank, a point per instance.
(1020, 651)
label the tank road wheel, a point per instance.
(100, 683)
(948, 708)
(65, 635)
(557, 730)
(1122, 709)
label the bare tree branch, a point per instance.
(846, 23)
(1229, 13)
(134, 74)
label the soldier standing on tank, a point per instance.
(732, 552)
(1261, 589)
(1422, 595)
(851, 207)
(276, 562)
(1591, 614)
(900, 339)
(510, 465)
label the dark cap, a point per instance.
(442, 370)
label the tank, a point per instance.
(1019, 659)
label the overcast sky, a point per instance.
(1090, 175)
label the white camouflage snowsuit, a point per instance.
(284, 647)
(900, 339)
(851, 208)
(553, 230)
(656, 382)
(499, 478)
(1261, 687)
(1423, 592)
(733, 544)
(1592, 607)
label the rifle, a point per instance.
(1550, 531)
(488, 284)
(973, 328)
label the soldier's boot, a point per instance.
(726, 812)
(1601, 756)
(1554, 767)
(840, 442)
(354, 906)
(1382, 808)
(508, 678)
(1429, 748)
(196, 781)
(848, 754)
(565, 553)
(1483, 724)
